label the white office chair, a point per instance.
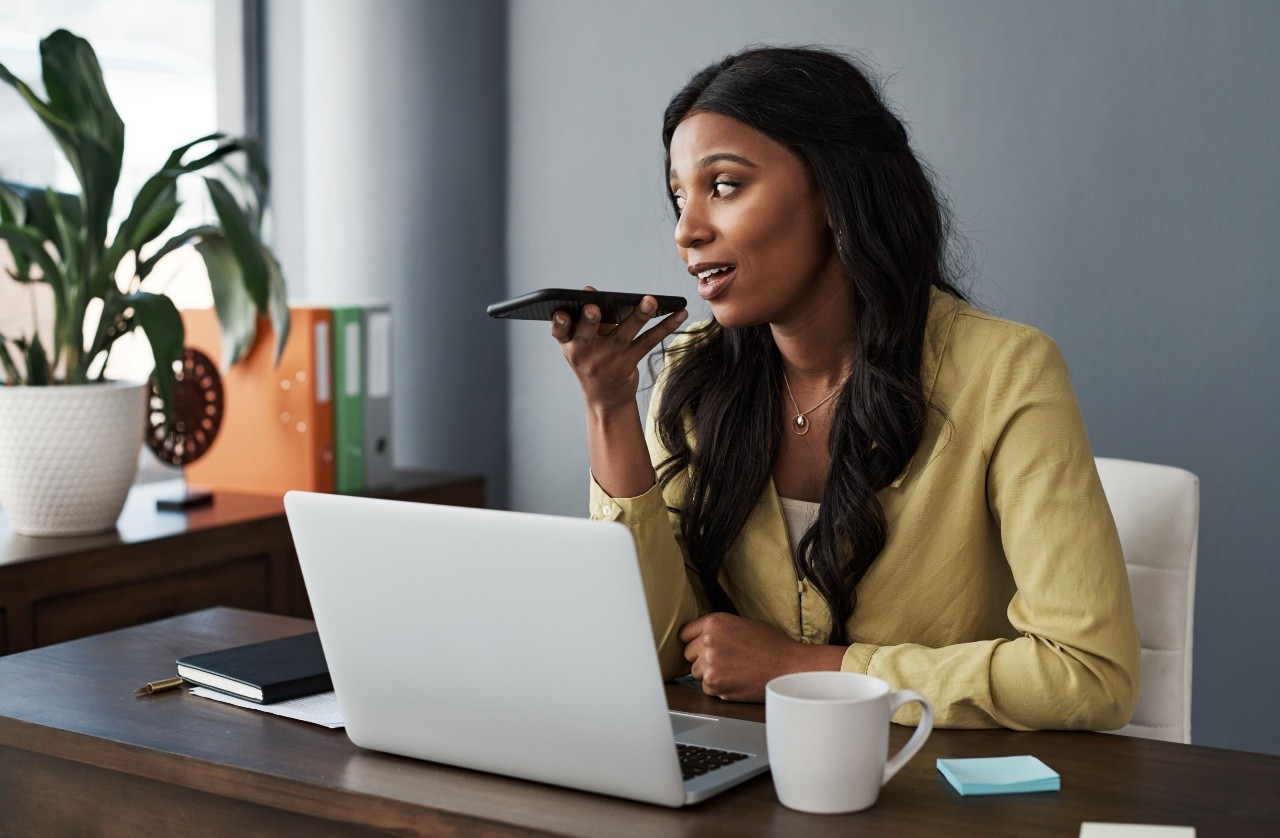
(1157, 510)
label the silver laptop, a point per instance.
(506, 642)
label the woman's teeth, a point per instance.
(704, 274)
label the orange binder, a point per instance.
(277, 423)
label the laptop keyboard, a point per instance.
(696, 761)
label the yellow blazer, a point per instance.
(1001, 593)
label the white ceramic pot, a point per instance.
(69, 454)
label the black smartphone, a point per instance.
(614, 305)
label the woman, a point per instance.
(849, 467)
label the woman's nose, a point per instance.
(692, 227)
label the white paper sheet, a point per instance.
(319, 709)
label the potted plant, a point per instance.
(69, 439)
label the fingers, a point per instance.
(635, 321)
(691, 635)
(592, 315)
(629, 328)
(588, 324)
(561, 327)
(699, 654)
(637, 347)
(624, 334)
(666, 327)
(692, 629)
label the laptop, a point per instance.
(506, 642)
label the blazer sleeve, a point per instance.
(1076, 663)
(672, 586)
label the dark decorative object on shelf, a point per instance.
(196, 414)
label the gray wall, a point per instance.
(1114, 166)
(387, 144)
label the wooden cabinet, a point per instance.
(237, 552)
(243, 582)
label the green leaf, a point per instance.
(89, 129)
(156, 201)
(245, 191)
(73, 81)
(229, 146)
(259, 178)
(244, 243)
(38, 372)
(32, 207)
(57, 126)
(175, 156)
(13, 205)
(186, 237)
(278, 303)
(28, 242)
(253, 180)
(85, 125)
(11, 374)
(70, 237)
(114, 322)
(156, 315)
(13, 212)
(237, 314)
(153, 211)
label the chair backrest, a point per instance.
(1157, 511)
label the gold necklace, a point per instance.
(800, 424)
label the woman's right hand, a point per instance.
(605, 357)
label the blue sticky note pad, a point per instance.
(999, 775)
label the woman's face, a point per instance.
(752, 226)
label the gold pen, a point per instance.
(159, 686)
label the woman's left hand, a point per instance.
(735, 657)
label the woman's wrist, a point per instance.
(617, 450)
(820, 658)
(612, 414)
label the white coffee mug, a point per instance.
(828, 738)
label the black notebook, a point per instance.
(274, 670)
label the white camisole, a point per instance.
(800, 515)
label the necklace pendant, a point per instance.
(800, 425)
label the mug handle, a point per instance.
(899, 698)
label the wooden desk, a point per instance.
(236, 552)
(80, 753)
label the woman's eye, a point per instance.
(678, 202)
(724, 188)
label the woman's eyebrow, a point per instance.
(717, 158)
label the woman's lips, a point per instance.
(714, 285)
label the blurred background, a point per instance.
(1112, 166)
